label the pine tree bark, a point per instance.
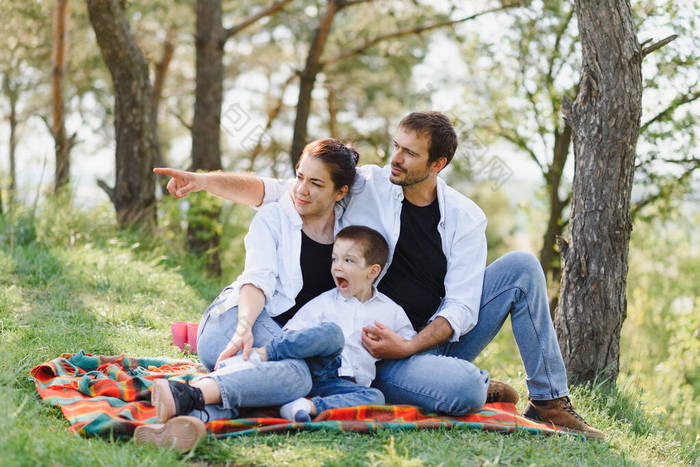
(58, 127)
(605, 120)
(202, 236)
(134, 117)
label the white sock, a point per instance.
(297, 410)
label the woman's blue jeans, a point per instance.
(444, 379)
(267, 384)
(321, 347)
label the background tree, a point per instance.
(540, 42)
(204, 232)
(63, 143)
(134, 122)
(605, 123)
(315, 61)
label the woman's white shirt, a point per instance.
(273, 250)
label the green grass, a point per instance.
(78, 284)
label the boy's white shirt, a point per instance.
(273, 249)
(351, 316)
(376, 202)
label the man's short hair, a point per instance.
(374, 247)
(437, 127)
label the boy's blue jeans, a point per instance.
(437, 381)
(268, 384)
(320, 346)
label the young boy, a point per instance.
(327, 331)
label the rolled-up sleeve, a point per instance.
(464, 280)
(274, 189)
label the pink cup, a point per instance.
(179, 331)
(192, 336)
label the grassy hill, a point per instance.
(71, 281)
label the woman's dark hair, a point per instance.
(339, 158)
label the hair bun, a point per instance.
(355, 155)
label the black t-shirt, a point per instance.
(416, 277)
(315, 270)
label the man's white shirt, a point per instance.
(376, 202)
(351, 316)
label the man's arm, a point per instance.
(383, 342)
(240, 188)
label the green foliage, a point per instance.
(661, 336)
(203, 216)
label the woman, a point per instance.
(288, 262)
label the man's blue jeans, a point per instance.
(267, 384)
(321, 346)
(445, 380)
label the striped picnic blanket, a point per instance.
(110, 395)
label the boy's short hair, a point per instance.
(374, 247)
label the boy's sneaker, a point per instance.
(179, 433)
(172, 398)
(561, 414)
(501, 392)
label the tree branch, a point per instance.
(271, 116)
(555, 49)
(110, 191)
(408, 31)
(274, 8)
(520, 142)
(354, 2)
(677, 102)
(657, 45)
(181, 119)
(664, 190)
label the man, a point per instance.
(437, 273)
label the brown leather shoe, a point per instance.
(179, 433)
(501, 392)
(561, 413)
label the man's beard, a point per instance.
(409, 181)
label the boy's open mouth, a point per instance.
(342, 282)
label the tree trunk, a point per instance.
(332, 113)
(161, 71)
(134, 119)
(203, 217)
(58, 126)
(605, 126)
(307, 78)
(10, 92)
(549, 256)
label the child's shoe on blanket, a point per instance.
(179, 433)
(172, 398)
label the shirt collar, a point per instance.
(375, 296)
(288, 208)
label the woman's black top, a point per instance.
(316, 272)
